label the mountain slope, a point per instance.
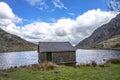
(113, 42)
(104, 32)
(9, 42)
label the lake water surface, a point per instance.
(12, 59)
(99, 56)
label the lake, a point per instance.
(99, 56)
(12, 59)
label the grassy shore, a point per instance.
(36, 72)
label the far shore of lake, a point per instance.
(77, 49)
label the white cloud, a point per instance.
(35, 2)
(91, 20)
(67, 29)
(8, 19)
(72, 14)
(6, 11)
(64, 29)
(42, 4)
(7, 14)
(59, 4)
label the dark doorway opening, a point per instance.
(49, 56)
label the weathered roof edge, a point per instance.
(55, 47)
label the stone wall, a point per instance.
(42, 57)
(63, 57)
(59, 57)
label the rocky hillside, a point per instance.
(113, 42)
(105, 33)
(9, 42)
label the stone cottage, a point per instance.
(57, 52)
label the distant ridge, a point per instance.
(10, 42)
(100, 37)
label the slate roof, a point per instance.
(55, 47)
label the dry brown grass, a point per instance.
(44, 66)
(114, 61)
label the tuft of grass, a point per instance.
(44, 66)
(94, 64)
(12, 69)
(3, 73)
(113, 61)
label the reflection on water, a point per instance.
(11, 59)
(99, 56)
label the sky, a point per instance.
(53, 20)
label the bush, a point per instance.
(94, 64)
